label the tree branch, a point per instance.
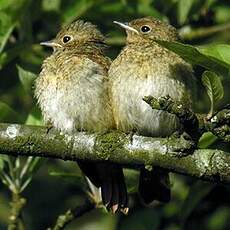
(136, 151)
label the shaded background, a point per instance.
(58, 185)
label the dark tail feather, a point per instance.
(106, 190)
(123, 190)
(110, 178)
(119, 195)
(154, 185)
(90, 170)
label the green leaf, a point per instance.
(197, 56)
(219, 51)
(197, 192)
(33, 120)
(51, 5)
(3, 160)
(219, 218)
(183, 8)
(222, 14)
(10, 54)
(75, 9)
(214, 88)
(9, 17)
(132, 177)
(6, 28)
(34, 117)
(26, 78)
(145, 8)
(7, 114)
(206, 140)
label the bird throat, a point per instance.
(92, 51)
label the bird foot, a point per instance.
(48, 128)
(186, 141)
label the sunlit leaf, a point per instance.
(214, 88)
(195, 56)
(132, 177)
(206, 140)
(222, 13)
(113, 7)
(145, 8)
(219, 51)
(32, 119)
(51, 5)
(183, 8)
(26, 78)
(6, 28)
(9, 18)
(76, 9)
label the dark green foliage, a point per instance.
(25, 23)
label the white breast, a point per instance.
(131, 112)
(79, 101)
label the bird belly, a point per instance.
(132, 113)
(72, 106)
(53, 106)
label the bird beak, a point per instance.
(126, 26)
(51, 43)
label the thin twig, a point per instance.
(72, 214)
(15, 219)
(192, 33)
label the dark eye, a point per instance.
(145, 29)
(66, 38)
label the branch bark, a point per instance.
(173, 154)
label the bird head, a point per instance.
(148, 29)
(76, 34)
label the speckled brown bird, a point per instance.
(72, 92)
(145, 68)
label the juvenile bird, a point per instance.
(145, 68)
(72, 92)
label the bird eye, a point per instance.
(145, 29)
(66, 38)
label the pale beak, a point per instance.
(126, 26)
(51, 43)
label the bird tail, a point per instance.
(154, 185)
(111, 179)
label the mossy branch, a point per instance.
(219, 124)
(195, 124)
(136, 151)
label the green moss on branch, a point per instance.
(168, 153)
